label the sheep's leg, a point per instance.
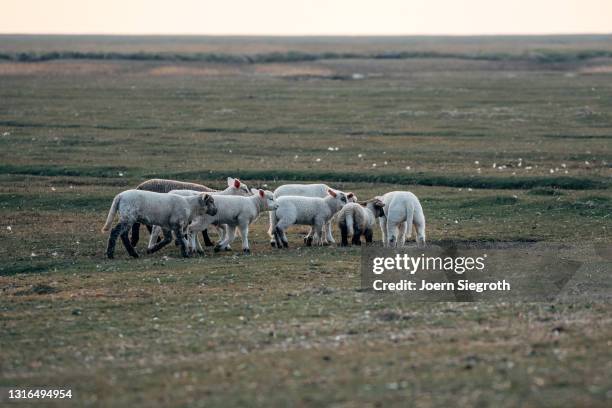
(207, 241)
(126, 243)
(190, 243)
(167, 239)
(196, 243)
(327, 228)
(271, 229)
(392, 233)
(221, 244)
(356, 235)
(223, 231)
(343, 234)
(119, 229)
(280, 236)
(277, 238)
(180, 240)
(405, 232)
(220, 232)
(308, 239)
(420, 234)
(229, 238)
(368, 236)
(183, 238)
(154, 237)
(281, 229)
(318, 234)
(150, 229)
(382, 221)
(135, 234)
(244, 233)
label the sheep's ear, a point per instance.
(236, 183)
(350, 195)
(262, 193)
(331, 192)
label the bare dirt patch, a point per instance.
(177, 70)
(600, 69)
(287, 70)
(57, 68)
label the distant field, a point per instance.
(514, 45)
(509, 149)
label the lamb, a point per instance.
(195, 244)
(358, 219)
(236, 212)
(402, 210)
(164, 186)
(307, 190)
(172, 212)
(312, 211)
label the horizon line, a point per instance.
(354, 35)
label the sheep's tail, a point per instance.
(111, 213)
(349, 222)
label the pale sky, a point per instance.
(310, 17)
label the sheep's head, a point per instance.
(266, 197)
(376, 206)
(238, 186)
(207, 203)
(339, 196)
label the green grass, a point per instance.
(559, 182)
(502, 144)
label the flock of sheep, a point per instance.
(180, 210)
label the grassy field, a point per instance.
(498, 150)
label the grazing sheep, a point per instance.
(236, 212)
(356, 219)
(307, 190)
(402, 210)
(312, 211)
(164, 186)
(170, 211)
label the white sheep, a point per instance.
(312, 211)
(356, 219)
(173, 213)
(193, 243)
(165, 185)
(234, 187)
(236, 212)
(308, 190)
(402, 210)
